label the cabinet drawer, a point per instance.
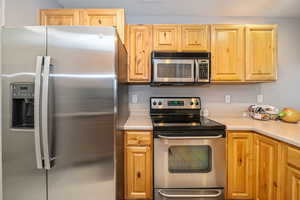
(138, 138)
(293, 156)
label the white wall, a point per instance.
(281, 93)
(286, 91)
(26, 12)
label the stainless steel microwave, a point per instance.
(180, 68)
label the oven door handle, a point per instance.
(164, 194)
(189, 137)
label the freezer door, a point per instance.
(84, 91)
(21, 177)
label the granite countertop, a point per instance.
(286, 132)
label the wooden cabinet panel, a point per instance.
(139, 48)
(291, 173)
(166, 37)
(292, 186)
(240, 165)
(227, 48)
(293, 156)
(138, 138)
(267, 152)
(64, 17)
(195, 37)
(261, 52)
(138, 165)
(104, 17)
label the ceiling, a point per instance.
(257, 8)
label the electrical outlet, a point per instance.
(227, 99)
(134, 98)
(260, 98)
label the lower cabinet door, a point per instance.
(267, 152)
(138, 172)
(292, 186)
(240, 165)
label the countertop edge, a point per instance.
(146, 125)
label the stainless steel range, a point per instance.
(189, 151)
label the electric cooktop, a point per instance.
(180, 116)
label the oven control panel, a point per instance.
(175, 103)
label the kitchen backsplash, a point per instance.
(212, 97)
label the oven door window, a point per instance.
(190, 159)
(174, 70)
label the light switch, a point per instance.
(227, 99)
(260, 98)
(134, 98)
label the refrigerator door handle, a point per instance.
(37, 125)
(45, 111)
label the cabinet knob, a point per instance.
(100, 22)
(138, 174)
(165, 34)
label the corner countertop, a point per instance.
(285, 132)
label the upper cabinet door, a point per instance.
(104, 17)
(139, 48)
(261, 52)
(227, 48)
(166, 37)
(195, 37)
(59, 17)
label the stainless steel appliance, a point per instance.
(189, 151)
(63, 101)
(180, 68)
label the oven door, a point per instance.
(173, 70)
(189, 162)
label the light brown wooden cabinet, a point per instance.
(261, 52)
(267, 171)
(227, 49)
(138, 165)
(240, 165)
(85, 17)
(166, 37)
(59, 17)
(244, 53)
(291, 173)
(194, 37)
(139, 46)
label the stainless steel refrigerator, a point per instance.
(64, 101)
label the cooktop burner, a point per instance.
(181, 117)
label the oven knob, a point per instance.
(154, 103)
(197, 103)
(159, 103)
(192, 103)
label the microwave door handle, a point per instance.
(45, 111)
(189, 137)
(164, 194)
(37, 112)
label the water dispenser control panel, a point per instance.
(22, 97)
(22, 90)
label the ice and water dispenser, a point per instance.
(22, 95)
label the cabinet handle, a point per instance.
(139, 174)
(165, 34)
(100, 22)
